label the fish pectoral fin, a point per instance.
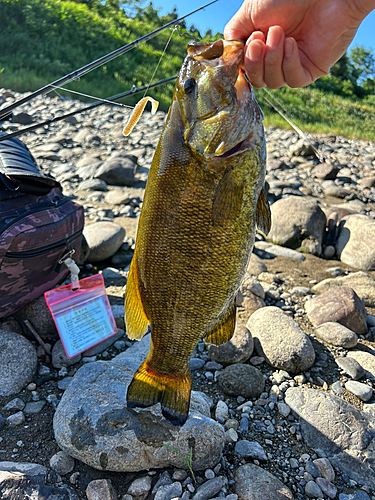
(263, 213)
(136, 319)
(223, 331)
(227, 200)
(149, 387)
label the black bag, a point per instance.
(38, 226)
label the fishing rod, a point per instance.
(87, 108)
(75, 75)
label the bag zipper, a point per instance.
(55, 202)
(60, 244)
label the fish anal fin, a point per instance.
(136, 319)
(263, 213)
(149, 387)
(223, 331)
(227, 201)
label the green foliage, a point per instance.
(46, 39)
(42, 40)
(187, 459)
(363, 63)
(317, 112)
(352, 76)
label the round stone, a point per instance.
(362, 391)
(62, 463)
(241, 380)
(336, 334)
(237, 350)
(280, 340)
(103, 239)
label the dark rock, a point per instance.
(241, 380)
(237, 350)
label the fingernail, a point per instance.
(255, 51)
(274, 37)
(289, 47)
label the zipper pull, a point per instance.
(73, 268)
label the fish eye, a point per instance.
(189, 85)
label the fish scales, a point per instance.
(196, 231)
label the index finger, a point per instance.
(240, 26)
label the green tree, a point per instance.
(342, 69)
(362, 61)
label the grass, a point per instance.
(319, 113)
(187, 459)
(310, 109)
(42, 40)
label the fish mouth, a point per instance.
(215, 50)
(236, 149)
(244, 97)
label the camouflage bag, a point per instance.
(36, 230)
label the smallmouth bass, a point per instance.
(196, 231)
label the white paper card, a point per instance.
(82, 327)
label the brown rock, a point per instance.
(341, 305)
(360, 282)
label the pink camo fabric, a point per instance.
(35, 232)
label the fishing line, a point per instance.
(294, 126)
(98, 99)
(278, 102)
(91, 106)
(97, 63)
(161, 57)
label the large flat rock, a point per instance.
(345, 433)
(93, 424)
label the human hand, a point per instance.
(294, 42)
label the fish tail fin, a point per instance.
(149, 387)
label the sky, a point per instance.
(216, 16)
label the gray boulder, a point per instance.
(335, 334)
(355, 245)
(298, 223)
(117, 172)
(280, 340)
(237, 350)
(345, 433)
(18, 363)
(255, 483)
(103, 239)
(93, 424)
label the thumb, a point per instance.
(240, 26)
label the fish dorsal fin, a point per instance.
(263, 214)
(223, 331)
(227, 201)
(136, 319)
